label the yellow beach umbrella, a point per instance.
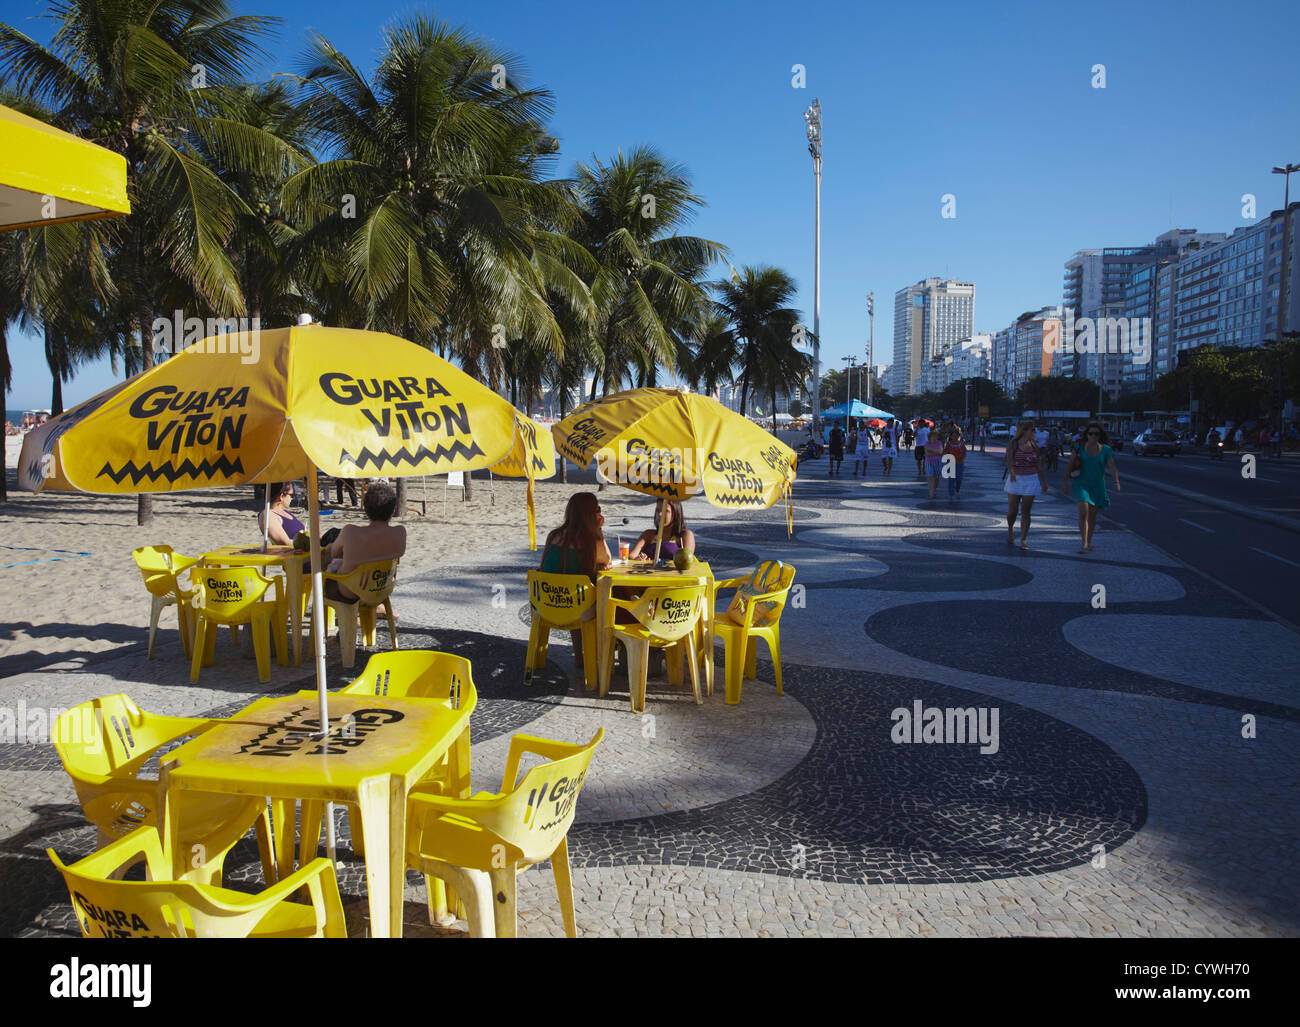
(533, 457)
(260, 406)
(47, 175)
(674, 444)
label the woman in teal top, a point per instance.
(578, 545)
(1085, 480)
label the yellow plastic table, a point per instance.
(288, 560)
(378, 749)
(642, 575)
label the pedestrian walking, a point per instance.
(956, 448)
(1025, 479)
(888, 447)
(918, 448)
(984, 434)
(860, 447)
(933, 459)
(836, 448)
(1053, 451)
(1085, 480)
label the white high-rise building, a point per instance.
(930, 319)
(970, 358)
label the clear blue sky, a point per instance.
(990, 102)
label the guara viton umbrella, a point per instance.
(673, 444)
(48, 176)
(532, 458)
(273, 406)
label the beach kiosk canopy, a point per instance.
(48, 176)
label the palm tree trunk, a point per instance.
(564, 402)
(55, 358)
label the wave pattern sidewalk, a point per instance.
(1123, 797)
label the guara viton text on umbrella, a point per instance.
(401, 400)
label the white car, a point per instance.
(999, 431)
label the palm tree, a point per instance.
(254, 164)
(645, 289)
(762, 329)
(138, 77)
(432, 196)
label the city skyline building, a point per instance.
(930, 318)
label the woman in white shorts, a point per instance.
(888, 446)
(1025, 480)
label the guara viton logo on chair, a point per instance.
(563, 794)
(558, 597)
(672, 611)
(224, 591)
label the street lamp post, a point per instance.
(813, 116)
(1286, 173)
(871, 342)
(848, 392)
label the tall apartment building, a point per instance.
(1121, 282)
(930, 318)
(1228, 293)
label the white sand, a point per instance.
(79, 605)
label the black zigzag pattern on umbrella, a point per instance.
(668, 488)
(380, 460)
(206, 469)
(736, 499)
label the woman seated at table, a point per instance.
(284, 525)
(676, 534)
(578, 545)
(365, 543)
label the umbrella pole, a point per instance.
(266, 518)
(659, 539)
(318, 629)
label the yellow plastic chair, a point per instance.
(480, 845)
(558, 603)
(417, 674)
(373, 584)
(233, 596)
(162, 568)
(666, 619)
(754, 613)
(161, 908)
(105, 743)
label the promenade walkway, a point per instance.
(1143, 783)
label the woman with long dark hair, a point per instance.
(676, 535)
(1024, 480)
(1085, 480)
(578, 545)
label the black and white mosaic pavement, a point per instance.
(1124, 795)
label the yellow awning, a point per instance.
(47, 175)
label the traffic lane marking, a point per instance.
(1274, 556)
(1208, 531)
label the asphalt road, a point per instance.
(1258, 560)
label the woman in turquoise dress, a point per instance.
(1085, 479)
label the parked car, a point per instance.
(1156, 443)
(998, 430)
